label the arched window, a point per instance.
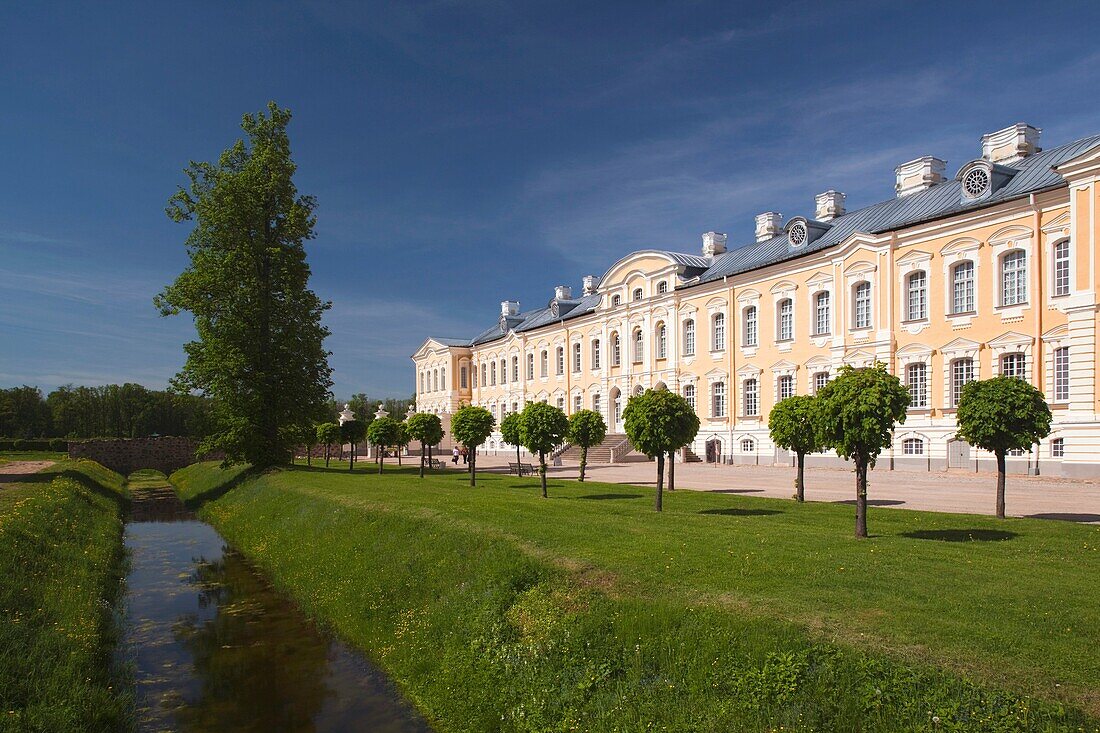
(637, 294)
(616, 300)
(639, 342)
(596, 403)
(435, 380)
(917, 290)
(861, 305)
(422, 380)
(662, 287)
(718, 329)
(617, 408)
(578, 402)
(1014, 278)
(748, 445)
(595, 353)
(484, 374)
(515, 368)
(463, 380)
(616, 350)
(913, 447)
(820, 380)
(493, 374)
(962, 287)
(504, 371)
(1058, 448)
(916, 379)
(443, 377)
(689, 337)
(785, 387)
(752, 398)
(750, 326)
(1012, 365)
(689, 395)
(559, 360)
(1061, 267)
(962, 373)
(822, 320)
(718, 399)
(561, 403)
(576, 357)
(785, 317)
(662, 341)
(530, 365)
(544, 365)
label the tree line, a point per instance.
(109, 411)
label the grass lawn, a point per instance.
(61, 562)
(496, 609)
(31, 455)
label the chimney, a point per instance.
(768, 225)
(830, 205)
(714, 244)
(590, 283)
(563, 292)
(509, 308)
(1011, 144)
(918, 175)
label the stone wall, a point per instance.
(126, 455)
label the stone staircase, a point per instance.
(614, 448)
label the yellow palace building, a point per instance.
(992, 271)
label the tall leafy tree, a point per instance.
(658, 422)
(427, 429)
(586, 429)
(791, 424)
(383, 432)
(402, 440)
(471, 426)
(855, 415)
(511, 430)
(328, 433)
(353, 432)
(260, 350)
(542, 428)
(999, 415)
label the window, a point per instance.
(530, 366)
(493, 374)
(544, 366)
(918, 296)
(484, 375)
(718, 399)
(435, 377)
(662, 287)
(752, 398)
(821, 313)
(962, 374)
(719, 331)
(820, 380)
(504, 371)
(689, 395)
(1015, 452)
(662, 341)
(443, 377)
(561, 404)
(422, 387)
(689, 337)
(596, 354)
(576, 357)
(913, 447)
(861, 303)
(637, 295)
(748, 445)
(616, 352)
(1058, 448)
(515, 407)
(578, 403)
(559, 360)
(750, 326)
(1014, 278)
(916, 379)
(962, 287)
(1061, 375)
(639, 341)
(515, 368)
(462, 378)
(1012, 365)
(1061, 268)
(616, 300)
(596, 402)
(503, 410)
(785, 330)
(617, 407)
(785, 387)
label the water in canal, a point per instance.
(214, 647)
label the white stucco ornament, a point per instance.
(346, 414)
(380, 412)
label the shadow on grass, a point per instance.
(961, 535)
(603, 497)
(737, 491)
(871, 502)
(1066, 516)
(217, 492)
(12, 479)
(734, 512)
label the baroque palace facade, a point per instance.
(993, 271)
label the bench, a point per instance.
(521, 469)
(435, 464)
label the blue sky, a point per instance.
(467, 152)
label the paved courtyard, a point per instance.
(961, 492)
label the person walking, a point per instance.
(454, 455)
(465, 456)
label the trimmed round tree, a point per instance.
(658, 422)
(402, 440)
(855, 415)
(791, 424)
(428, 430)
(542, 428)
(586, 429)
(327, 434)
(383, 432)
(511, 430)
(999, 415)
(353, 431)
(470, 426)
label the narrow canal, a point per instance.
(213, 647)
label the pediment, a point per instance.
(1012, 338)
(961, 344)
(817, 362)
(1057, 332)
(1058, 224)
(962, 244)
(859, 268)
(642, 263)
(784, 366)
(1010, 233)
(915, 350)
(820, 278)
(716, 373)
(749, 370)
(783, 286)
(748, 295)
(914, 255)
(859, 356)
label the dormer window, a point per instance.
(979, 178)
(797, 234)
(637, 294)
(554, 310)
(662, 287)
(976, 182)
(616, 300)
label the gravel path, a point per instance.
(16, 471)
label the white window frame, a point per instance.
(862, 306)
(596, 356)
(970, 293)
(689, 337)
(1060, 375)
(916, 296)
(718, 331)
(718, 399)
(662, 340)
(956, 368)
(750, 392)
(823, 320)
(913, 447)
(1014, 293)
(577, 358)
(1061, 266)
(750, 317)
(784, 316)
(918, 390)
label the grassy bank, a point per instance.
(30, 455)
(495, 609)
(61, 560)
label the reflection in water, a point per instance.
(215, 648)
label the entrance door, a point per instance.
(714, 450)
(958, 454)
(617, 410)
